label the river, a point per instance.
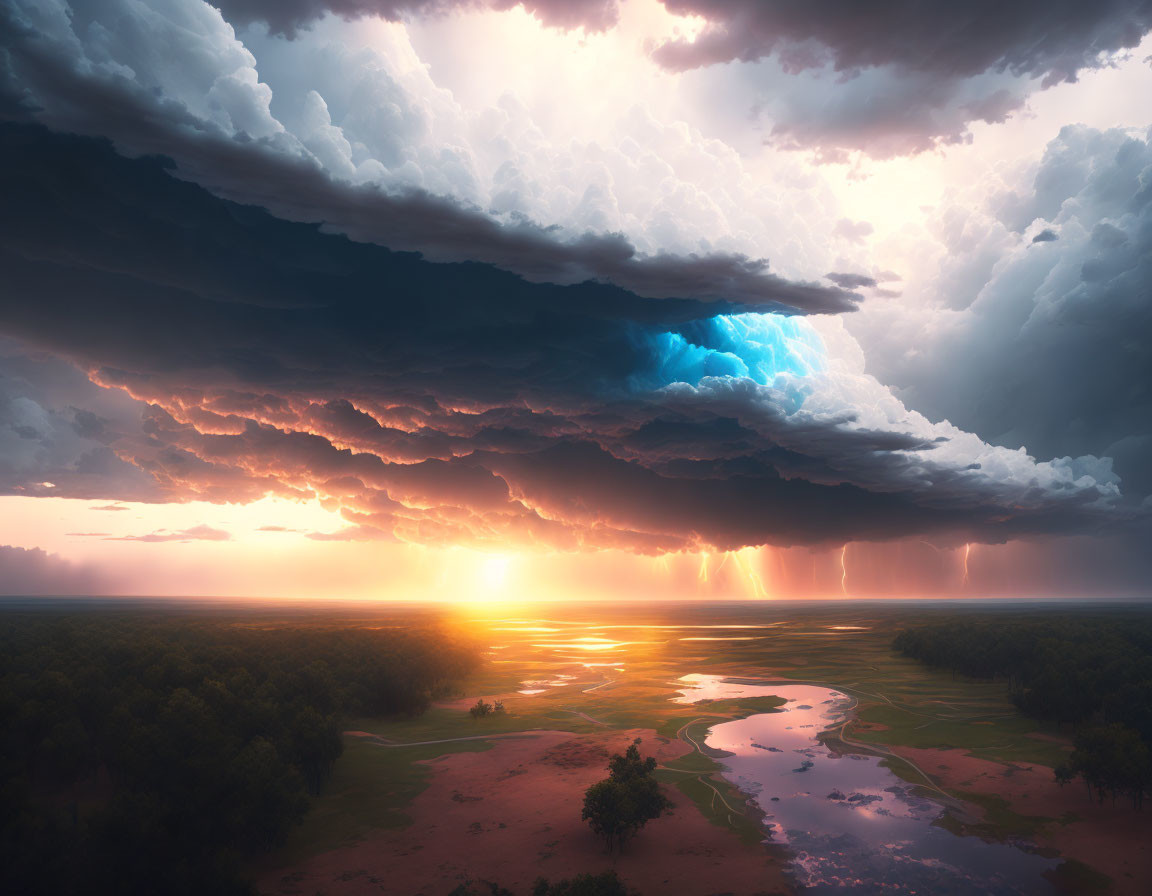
(849, 823)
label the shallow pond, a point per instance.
(850, 824)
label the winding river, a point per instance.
(850, 824)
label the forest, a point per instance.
(1092, 675)
(146, 753)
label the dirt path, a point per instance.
(704, 778)
(840, 733)
(585, 716)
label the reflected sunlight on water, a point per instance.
(723, 638)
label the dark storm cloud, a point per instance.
(1052, 39)
(286, 17)
(277, 173)
(1046, 236)
(454, 403)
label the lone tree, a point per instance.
(626, 800)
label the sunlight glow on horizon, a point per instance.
(269, 555)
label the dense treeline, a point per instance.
(1092, 674)
(155, 755)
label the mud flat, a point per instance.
(511, 814)
(1115, 840)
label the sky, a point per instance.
(483, 300)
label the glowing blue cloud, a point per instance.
(759, 347)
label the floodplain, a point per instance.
(934, 772)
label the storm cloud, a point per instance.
(458, 403)
(240, 265)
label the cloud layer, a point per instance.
(301, 268)
(1032, 335)
(836, 76)
(457, 403)
(94, 70)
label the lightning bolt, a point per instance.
(967, 551)
(703, 574)
(745, 566)
(844, 569)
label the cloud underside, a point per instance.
(287, 17)
(456, 403)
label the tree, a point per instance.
(620, 805)
(1112, 759)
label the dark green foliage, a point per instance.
(1094, 674)
(606, 884)
(143, 754)
(481, 708)
(1112, 759)
(626, 800)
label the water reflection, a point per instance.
(851, 824)
(586, 644)
(697, 688)
(723, 638)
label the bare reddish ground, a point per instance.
(1116, 840)
(512, 814)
